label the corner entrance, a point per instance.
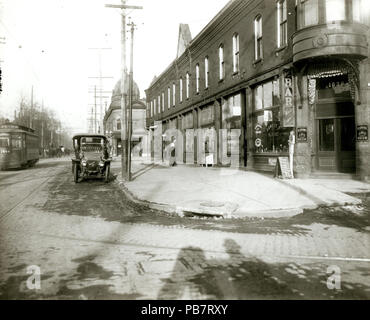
(336, 144)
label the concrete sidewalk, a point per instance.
(233, 193)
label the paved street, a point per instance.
(91, 242)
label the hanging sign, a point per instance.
(301, 134)
(362, 133)
(288, 107)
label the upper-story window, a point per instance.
(151, 109)
(187, 85)
(335, 10)
(206, 72)
(309, 12)
(180, 89)
(282, 18)
(168, 97)
(221, 62)
(118, 124)
(356, 10)
(159, 104)
(197, 78)
(236, 52)
(258, 38)
(155, 106)
(162, 101)
(173, 94)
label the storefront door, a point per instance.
(336, 144)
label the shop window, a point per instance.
(236, 53)
(309, 12)
(335, 10)
(231, 117)
(258, 37)
(282, 18)
(270, 135)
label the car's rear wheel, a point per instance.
(107, 173)
(76, 172)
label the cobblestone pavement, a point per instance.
(90, 242)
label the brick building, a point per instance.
(268, 67)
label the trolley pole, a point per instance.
(124, 129)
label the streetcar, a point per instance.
(19, 146)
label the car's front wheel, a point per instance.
(107, 173)
(76, 172)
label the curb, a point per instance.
(266, 213)
(186, 212)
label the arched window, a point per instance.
(236, 53)
(187, 85)
(180, 89)
(206, 72)
(221, 62)
(197, 77)
(173, 94)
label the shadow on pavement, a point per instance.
(239, 277)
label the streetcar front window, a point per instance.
(4, 145)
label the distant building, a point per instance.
(268, 67)
(112, 121)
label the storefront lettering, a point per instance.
(288, 109)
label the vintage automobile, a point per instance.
(92, 157)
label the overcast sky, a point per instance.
(48, 46)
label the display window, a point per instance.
(269, 133)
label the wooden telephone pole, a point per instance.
(124, 141)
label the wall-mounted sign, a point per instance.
(301, 134)
(288, 108)
(362, 133)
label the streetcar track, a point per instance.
(9, 212)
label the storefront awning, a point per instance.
(327, 69)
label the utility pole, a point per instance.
(124, 156)
(131, 85)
